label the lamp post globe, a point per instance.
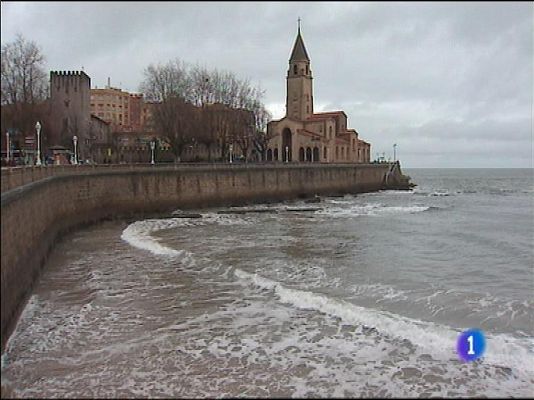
(38, 129)
(75, 141)
(231, 148)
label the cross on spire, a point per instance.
(299, 51)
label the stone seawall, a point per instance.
(35, 215)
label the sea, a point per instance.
(362, 295)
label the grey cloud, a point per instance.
(455, 74)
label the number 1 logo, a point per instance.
(471, 345)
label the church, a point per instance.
(305, 136)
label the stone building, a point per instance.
(124, 111)
(69, 110)
(305, 136)
(129, 117)
(101, 143)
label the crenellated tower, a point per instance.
(299, 97)
(70, 102)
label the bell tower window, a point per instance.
(295, 69)
(306, 70)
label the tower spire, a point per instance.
(299, 52)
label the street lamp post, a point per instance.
(231, 148)
(287, 153)
(38, 128)
(7, 146)
(75, 141)
(152, 147)
(395, 152)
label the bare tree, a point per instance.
(175, 118)
(228, 109)
(23, 75)
(260, 135)
(165, 80)
(168, 86)
(23, 88)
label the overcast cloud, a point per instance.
(450, 83)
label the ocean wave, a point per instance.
(395, 192)
(437, 339)
(375, 209)
(139, 233)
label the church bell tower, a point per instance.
(299, 99)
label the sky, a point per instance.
(450, 83)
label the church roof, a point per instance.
(330, 113)
(299, 51)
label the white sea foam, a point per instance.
(383, 292)
(396, 192)
(436, 339)
(139, 233)
(373, 209)
(440, 193)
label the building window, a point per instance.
(295, 69)
(324, 153)
(306, 70)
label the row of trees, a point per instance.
(193, 105)
(198, 106)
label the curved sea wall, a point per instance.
(36, 214)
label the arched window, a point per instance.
(330, 130)
(307, 70)
(308, 154)
(275, 154)
(301, 154)
(316, 154)
(295, 69)
(269, 155)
